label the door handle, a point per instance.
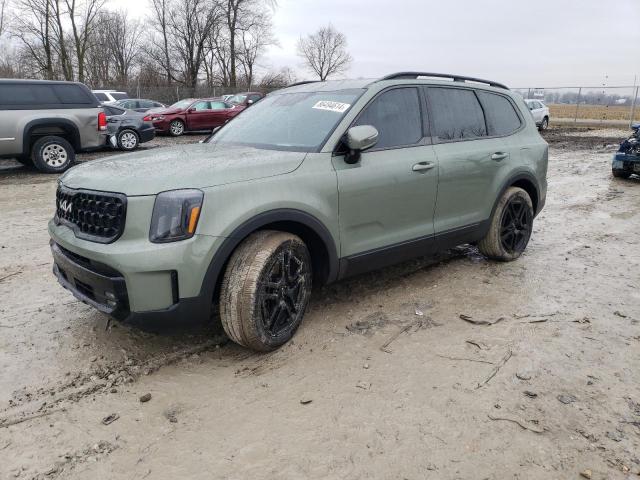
(499, 156)
(423, 166)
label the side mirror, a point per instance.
(191, 110)
(249, 102)
(359, 139)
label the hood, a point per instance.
(187, 166)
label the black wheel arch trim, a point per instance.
(529, 177)
(231, 242)
(50, 122)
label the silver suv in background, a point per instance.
(44, 123)
(540, 113)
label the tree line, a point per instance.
(186, 43)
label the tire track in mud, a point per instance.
(100, 380)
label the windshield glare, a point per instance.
(237, 98)
(182, 104)
(288, 121)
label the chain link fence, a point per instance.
(592, 106)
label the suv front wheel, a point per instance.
(510, 228)
(52, 154)
(265, 290)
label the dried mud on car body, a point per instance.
(547, 392)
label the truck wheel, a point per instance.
(176, 128)
(620, 173)
(127, 140)
(265, 290)
(510, 227)
(52, 154)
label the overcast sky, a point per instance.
(521, 43)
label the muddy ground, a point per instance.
(550, 389)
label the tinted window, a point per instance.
(396, 115)
(119, 95)
(456, 114)
(71, 94)
(144, 104)
(502, 118)
(101, 96)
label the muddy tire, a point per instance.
(510, 228)
(620, 173)
(52, 154)
(265, 290)
(176, 128)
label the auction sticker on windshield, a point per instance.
(332, 106)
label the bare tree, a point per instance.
(123, 36)
(34, 30)
(4, 6)
(325, 52)
(159, 41)
(255, 36)
(82, 15)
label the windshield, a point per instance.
(289, 121)
(182, 104)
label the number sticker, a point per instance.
(332, 106)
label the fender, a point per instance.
(51, 122)
(522, 175)
(223, 254)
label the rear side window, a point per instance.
(101, 96)
(396, 115)
(31, 95)
(218, 106)
(72, 94)
(502, 118)
(456, 114)
(119, 95)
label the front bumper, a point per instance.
(626, 163)
(133, 277)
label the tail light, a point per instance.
(102, 121)
(147, 118)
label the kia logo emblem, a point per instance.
(66, 206)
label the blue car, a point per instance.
(626, 161)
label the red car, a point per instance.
(192, 114)
(244, 99)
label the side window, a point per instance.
(199, 106)
(396, 115)
(218, 106)
(71, 94)
(255, 98)
(144, 104)
(502, 118)
(27, 94)
(456, 114)
(101, 96)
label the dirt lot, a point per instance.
(592, 112)
(548, 391)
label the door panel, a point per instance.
(383, 201)
(466, 181)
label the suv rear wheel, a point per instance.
(52, 154)
(544, 124)
(265, 290)
(510, 228)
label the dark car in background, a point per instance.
(245, 99)
(192, 114)
(139, 104)
(127, 129)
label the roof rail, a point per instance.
(455, 78)
(304, 82)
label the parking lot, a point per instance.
(437, 368)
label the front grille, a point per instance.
(94, 216)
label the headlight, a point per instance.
(175, 215)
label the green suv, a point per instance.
(316, 182)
